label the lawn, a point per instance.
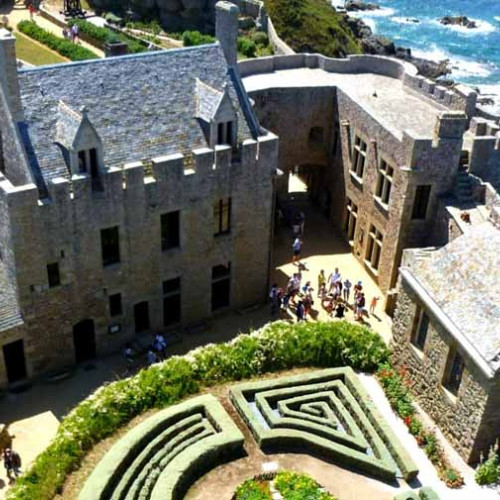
(33, 53)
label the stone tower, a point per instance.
(226, 29)
(8, 73)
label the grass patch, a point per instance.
(32, 53)
(312, 26)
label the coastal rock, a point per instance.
(358, 5)
(379, 45)
(458, 21)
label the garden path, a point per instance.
(17, 12)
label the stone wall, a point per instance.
(463, 419)
(66, 229)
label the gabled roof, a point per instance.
(209, 101)
(69, 124)
(463, 279)
(141, 105)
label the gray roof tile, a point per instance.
(141, 105)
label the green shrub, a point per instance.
(293, 486)
(252, 489)
(106, 35)
(247, 47)
(192, 38)
(277, 346)
(488, 472)
(260, 38)
(60, 45)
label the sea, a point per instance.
(474, 54)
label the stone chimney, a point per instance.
(226, 29)
(8, 73)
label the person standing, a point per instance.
(299, 311)
(31, 10)
(75, 33)
(129, 357)
(297, 247)
(302, 222)
(275, 300)
(12, 463)
(360, 306)
(151, 357)
(321, 282)
(347, 290)
(333, 279)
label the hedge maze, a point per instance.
(164, 455)
(328, 413)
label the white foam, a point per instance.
(493, 92)
(404, 20)
(461, 67)
(482, 27)
(382, 12)
(497, 18)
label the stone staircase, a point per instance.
(464, 185)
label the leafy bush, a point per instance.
(291, 485)
(60, 45)
(399, 396)
(260, 38)
(275, 347)
(106, 35)
(312, 26)
(192, 38)
(247, 47)
(489, 471)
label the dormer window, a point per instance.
(225, 133)
(216, 115)
(80, 143)
(88, 162)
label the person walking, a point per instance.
(347, 290)
(12, 463)
(31, 10)
(275, 299)
(75, 33)
(160, 345)
(297, 247)
(151, 357)
(129, 357)
(373, 304)
(299, 311)
(360, 306)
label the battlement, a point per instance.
(161, 176)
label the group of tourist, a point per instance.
(157, 351)
(72, 33)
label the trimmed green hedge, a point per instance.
(60, 45)
(277, 346)
(106, 35)
(164, 455)
(290, 429)
(192, 38)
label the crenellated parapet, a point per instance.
(162, 177)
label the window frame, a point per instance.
(351, 220)
(359, 156)
(115, 309)
(51, 275)
(222, 222)
(374, 247)
(385, 181)
(452, 387)
(109, 260)
(419, 210)
(169, 241)
(225, 133)
(421, 318)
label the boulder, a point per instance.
(359, 5)
(458, 21)
(379, 45)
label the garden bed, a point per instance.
(276, 347)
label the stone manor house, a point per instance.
(137, 193)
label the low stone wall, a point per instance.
(351, 64)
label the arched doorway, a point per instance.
(84, 340)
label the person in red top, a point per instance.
(31, 9)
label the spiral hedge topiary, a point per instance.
(277, 346)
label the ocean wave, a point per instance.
(497, 18)
(382, 12)
(460, 67)
(405, 20)
(482, 27)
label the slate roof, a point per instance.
(463, 278)
(68, 123)
(141, 105)
(208, 101)
(10, 315)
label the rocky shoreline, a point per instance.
(383, 46)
